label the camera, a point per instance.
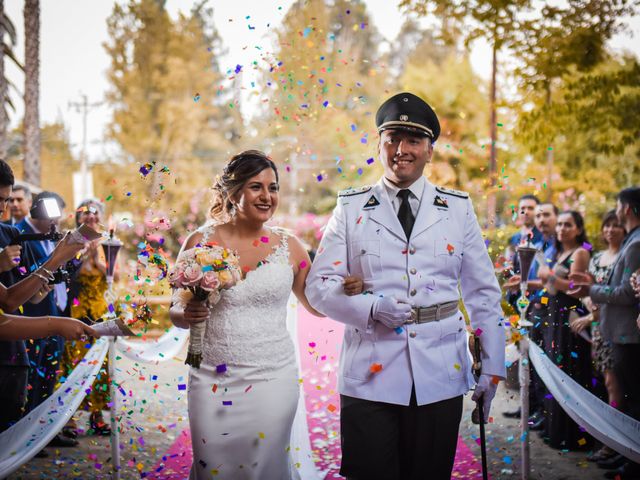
(60, 276)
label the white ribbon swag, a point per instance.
(612, 427)
(23, 440)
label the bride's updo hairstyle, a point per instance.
(236, 173)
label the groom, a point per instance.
(404, 362)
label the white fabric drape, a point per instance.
(31, 434)
(612, 427)
(164, 348)
(300, 444)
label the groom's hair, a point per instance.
(236, 173)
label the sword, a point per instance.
(477, 416)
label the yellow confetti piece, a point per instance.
(544, 300)
(582, 441)
(457, 366)
(261, 435)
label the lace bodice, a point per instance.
(248, 325)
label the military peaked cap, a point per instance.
(406, 111)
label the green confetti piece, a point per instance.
(109, 198)
(499, 124)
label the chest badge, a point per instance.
(371, 203)
(440, 202)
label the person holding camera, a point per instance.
(45, 353)
(16, 289)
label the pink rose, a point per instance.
(176, 277)
(191, 276)
(210, 281)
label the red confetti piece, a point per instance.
(375, 368)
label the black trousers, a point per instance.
(45, 358)
(626, 358)
(382, 441)
(13, 394)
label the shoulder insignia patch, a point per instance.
(354, 191)
(371, 203)
(451, 191)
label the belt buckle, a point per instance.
(438, 310)
(414, 317)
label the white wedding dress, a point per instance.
(243, 398)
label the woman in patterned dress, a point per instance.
(86, 293)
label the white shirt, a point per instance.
(416, 189)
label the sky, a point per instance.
(74, 63)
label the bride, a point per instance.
(243, 398)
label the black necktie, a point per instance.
(405, 215)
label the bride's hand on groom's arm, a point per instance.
(353, 286)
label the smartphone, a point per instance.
(87, 233)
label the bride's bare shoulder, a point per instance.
(193, 239)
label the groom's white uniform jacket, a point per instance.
(446, 251)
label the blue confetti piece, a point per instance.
(399, 330)
(182, 387)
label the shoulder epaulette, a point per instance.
(354, 191)
(451, 191)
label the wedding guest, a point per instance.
(619, 310)
(86, 289)
(600, 268)
(567, 350)
(545, 218)
(20, 203)
(45, 354)
(14, 327)
(15, 290)
(528, 231)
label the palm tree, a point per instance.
(7, 30)
(31, 91)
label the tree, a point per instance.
(7, 30)
(173, 127)
(57, 159)
(562, 40)
(32, 91)
(498, 22)
(321, 91)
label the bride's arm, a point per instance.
(301, 266)
(195, 312)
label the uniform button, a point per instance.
(412, 250)
(412, 334)
(413, 271)
(362, 252)
(413, 292)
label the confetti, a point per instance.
(375, 368)
(221, 368)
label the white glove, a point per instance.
(391, 312)
(486, 390)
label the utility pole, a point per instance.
(83, 107)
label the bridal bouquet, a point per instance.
(202, 272)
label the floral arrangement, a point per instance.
(203, 271)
